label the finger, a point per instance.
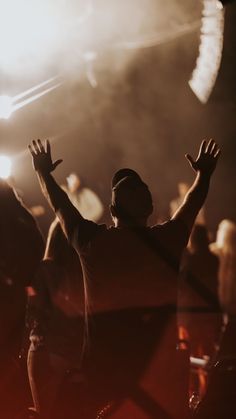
(214, 149)
(217, 154)
(56, 163)
(35, 146)
(48, 147)
(32, 152)
(189, 158)
(40, 146)
(210, 146)
(202, 148)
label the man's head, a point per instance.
(131, 200)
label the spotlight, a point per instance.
(210, 50)
(5, 167)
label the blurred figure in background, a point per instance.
(219, 401)
(21, 249)
(56, 318)
(199, 308)
(198, 293)
(83, 198)
(226, 249)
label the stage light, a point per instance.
(5, 167)
(5, 107)
(210, 51)
(219, 5)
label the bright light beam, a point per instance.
(8, 104)
(34, 97)
(37, 87)
(161, 38)
(5, 167)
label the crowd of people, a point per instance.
(104, 315)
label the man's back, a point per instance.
(131, 267)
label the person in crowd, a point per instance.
(199, 293)
(226, 249)
(21, 249)
(56, 319)
(131, 265)
(219, 401)
(83, 198)
(199, 310)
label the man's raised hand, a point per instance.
(41, 155)
(207, 158)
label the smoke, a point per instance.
(68, 36)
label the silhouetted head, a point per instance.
(131, 201)
(8, 197)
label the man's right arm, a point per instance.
(42, 162)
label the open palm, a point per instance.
(41, 155)
(207, 158)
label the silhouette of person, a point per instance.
(131, 266)
(199, 310)
(56, 317)
(21, 249)
(219, 401)
(199, 270)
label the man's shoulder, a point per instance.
(86, 232)
(173, 228)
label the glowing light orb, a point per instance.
(5, 167)
(5, 107)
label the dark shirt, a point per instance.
(130, 267)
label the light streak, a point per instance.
(8, 104)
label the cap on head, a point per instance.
(131, 197)
(122, 173)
